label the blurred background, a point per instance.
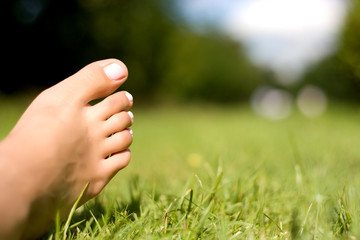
(272, 54)
(221, 73)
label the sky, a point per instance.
(285, 35)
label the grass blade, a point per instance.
(67, 224)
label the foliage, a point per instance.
(350, 45)
(207, 67)
(339, 73)
(335, 77)
(163, 54)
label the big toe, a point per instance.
(96, 80)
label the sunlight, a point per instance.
(287, 17)
(287, 35)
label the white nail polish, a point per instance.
(131, 115)
(129, 96)
(114, 71)
(131, 132)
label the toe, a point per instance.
(113, 104)
(118, 122)
(118, 142)
(95, 80)
(116, 162)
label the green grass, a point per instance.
(224, 173)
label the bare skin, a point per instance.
(60, 144)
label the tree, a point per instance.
(349, 50)
(164, 55)
(339, 74)
(209, 67)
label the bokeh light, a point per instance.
(311, 101)
(272, 103)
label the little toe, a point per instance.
(113, 104)
(118, 142)
(118, 122)
(95, 80)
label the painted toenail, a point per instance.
(131, 131)
(131, 115)
(129, 96)
(114, 71)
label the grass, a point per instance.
(207, 172)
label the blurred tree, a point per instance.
(335, 77)
(133, 31)
(207, 66)
(165, 56)
(349, 50)
(52, 39)
(339, 74)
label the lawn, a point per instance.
(212, 172)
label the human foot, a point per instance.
(60, 144)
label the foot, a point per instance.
(62, 143)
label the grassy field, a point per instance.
(213, 172)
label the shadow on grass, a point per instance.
(97, 213)
(102, 213)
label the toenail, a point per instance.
(114, 71)
(129, 96)
(131, 132)
(131, 115)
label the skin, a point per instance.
(60, 144)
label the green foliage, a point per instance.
(133, 31)
(335, 77)
(339, 74)
(350, 44)
(165, 57)
(207, 67)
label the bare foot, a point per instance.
(60, 144)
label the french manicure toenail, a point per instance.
(131, 115)
(114, 71)
(131, 131)
(129, 96)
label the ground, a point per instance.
(224, 173)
